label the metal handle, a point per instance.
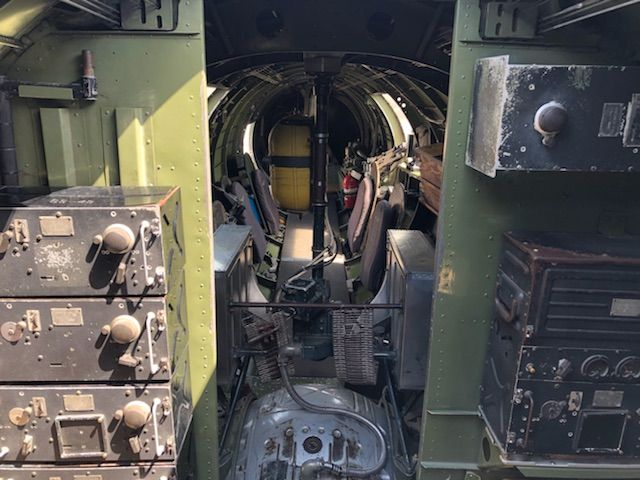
(529, 396)
(154, 367)
(149, 280)
(98, 420)
(508, 314)
(156, 435)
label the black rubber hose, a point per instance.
(285, 355)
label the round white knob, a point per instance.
(136, 414)
(118, 238)
(124, 329)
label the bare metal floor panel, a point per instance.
(296, 252)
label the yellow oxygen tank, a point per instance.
(290, 153)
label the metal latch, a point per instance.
(153, 228)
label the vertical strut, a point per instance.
(322, 86)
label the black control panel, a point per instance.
(562, 374)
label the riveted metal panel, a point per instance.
(87, 430)
(60, 250)
(600, 132)
(164, 71)
(64, 340)
(476, 210)
(152, 471)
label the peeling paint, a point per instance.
(446, 279)
(580, 77)
(57, 258)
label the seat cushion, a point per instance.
(373, 253)
(396, 199)
(248, 217)
(360, 214)
(219, 214)
(268, 205)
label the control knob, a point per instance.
(123, 329)
(13, 331)
(116, 238)
(135, 414)
(550, 119)
(552, 409)
(20, 416)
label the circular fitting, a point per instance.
(550, 119)
(135, 414)
(12, 331)
(312, 444)
(551, 410)
(20, 416)
(118, 238)
(596, 366)
(628, 368)
(124, 329)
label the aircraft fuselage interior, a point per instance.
(297, 240)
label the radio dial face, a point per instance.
(628, 368)
(595, 367)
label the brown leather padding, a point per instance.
(396, 199)
(360, 215)
(268, 205)
(373, 253)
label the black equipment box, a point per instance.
(94, 365)
(89, 241)
(562, 375)
(580, 118)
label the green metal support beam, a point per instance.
(475, 212)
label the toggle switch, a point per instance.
(5, 240)
(27, 445)
(128, 360)
(563, 369)
(121, 273)
(135, 445)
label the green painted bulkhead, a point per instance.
(148, 126)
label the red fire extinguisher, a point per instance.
(350, 184)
